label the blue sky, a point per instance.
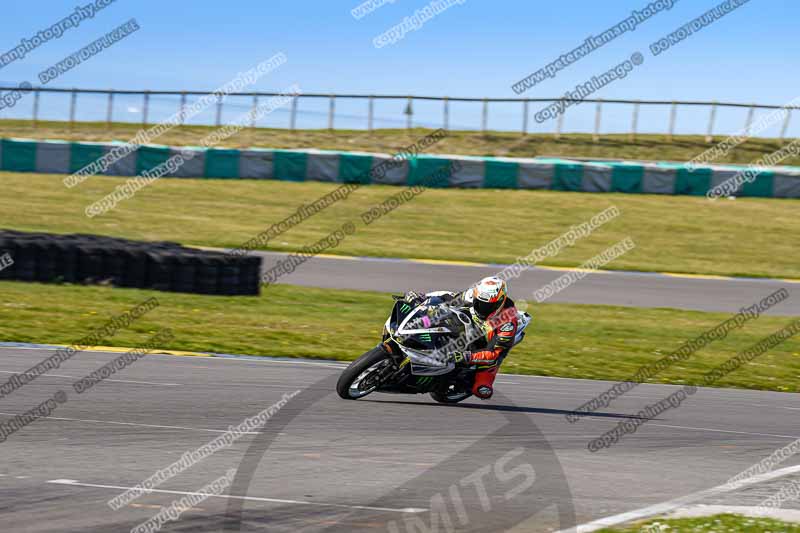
(479, 48)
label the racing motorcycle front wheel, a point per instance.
(364, 375)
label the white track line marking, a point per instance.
(589, 418)
(601, 419)
(728, 431)
(774, 406)
(135, 424)
(665, 507)
(75, 483)
(148, 506)
(108, 379)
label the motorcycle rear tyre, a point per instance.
(443, 398)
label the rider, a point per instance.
(495, 315)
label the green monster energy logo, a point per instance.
(404, 308)
(426, 337)
(424, 380)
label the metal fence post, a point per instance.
(110, 108)
(35, 106)
(218, 120)
(145, 107)
(293, 116)
(525, 117)
(182, 112)
(370, 111)
(673, 113)
(72, 104)
(560, 124)
(635, 123)
(749, 121)
(485, 116)
(785, 126)
(446, 113)
(331, 108)
(254, 111)
(712, 117)
(598, 115)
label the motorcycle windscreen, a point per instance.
(400, 311)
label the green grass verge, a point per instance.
(749, 237)
(723, 523)
(648, 147)
(579, 341)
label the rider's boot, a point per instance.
(484, 379)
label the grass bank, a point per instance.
(509, 144)
(723, 523)
(578, 341)
(743, 237)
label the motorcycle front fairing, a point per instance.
(423, 335)
(421, 339)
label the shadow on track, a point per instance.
(513, 409)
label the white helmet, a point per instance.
(488, 296)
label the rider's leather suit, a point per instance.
(489, 349)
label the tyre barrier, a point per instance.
(94, 259)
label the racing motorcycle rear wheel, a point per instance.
(451, 395)
(363, 375)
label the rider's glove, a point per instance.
(412, 296)
(460, 358)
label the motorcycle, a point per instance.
(415, 355)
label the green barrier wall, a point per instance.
(26, 155)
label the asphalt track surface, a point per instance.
(326, 464)
(632, 289)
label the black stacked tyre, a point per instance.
(164, 266)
